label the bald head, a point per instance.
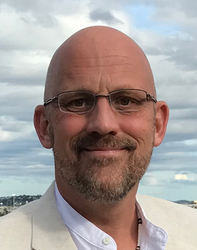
(90, 134)
(91, 45)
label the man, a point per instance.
(101, 118)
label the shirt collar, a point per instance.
(157, 237)
(152, 236)
(81, 226)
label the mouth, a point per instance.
(105, 146)
(104, 151)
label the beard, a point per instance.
(104, 179)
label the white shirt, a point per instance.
(87, 236)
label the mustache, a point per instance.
(82, 142)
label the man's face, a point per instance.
(104, 153)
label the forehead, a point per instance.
(99, 65)
(108, 73)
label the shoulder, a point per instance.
(151, 205)
(179, 221)
(17, 226)
(22, 213)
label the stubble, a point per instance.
(104, 179)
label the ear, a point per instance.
(41, 125)
(162, 115)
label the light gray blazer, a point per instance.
(39, 226)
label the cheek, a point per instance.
(66, 127)
(140, 127)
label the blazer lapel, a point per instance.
(48, 229)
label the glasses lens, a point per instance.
(127, 100)
(77, 102)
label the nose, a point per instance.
(102, 119)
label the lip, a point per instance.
(105, 152)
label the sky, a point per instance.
(31, 31)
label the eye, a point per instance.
(125, 101)
(77, 103)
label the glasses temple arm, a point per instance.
(50, 100)
(151, 97)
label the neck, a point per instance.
(116, 220)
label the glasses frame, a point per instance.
(149, 97)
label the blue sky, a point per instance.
(30, 34)
(142, 17)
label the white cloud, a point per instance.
(183, 177)
(11, 129)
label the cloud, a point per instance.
(104, 15)
(150, 180)
(181, 6)
(8, 132)
(18, 103)
(183, 54)
(182, 177)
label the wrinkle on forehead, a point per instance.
(95, 47)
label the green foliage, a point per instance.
(4, 212)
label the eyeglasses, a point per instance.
(81, 102)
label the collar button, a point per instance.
(106, 240)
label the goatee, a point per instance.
(104, 179)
